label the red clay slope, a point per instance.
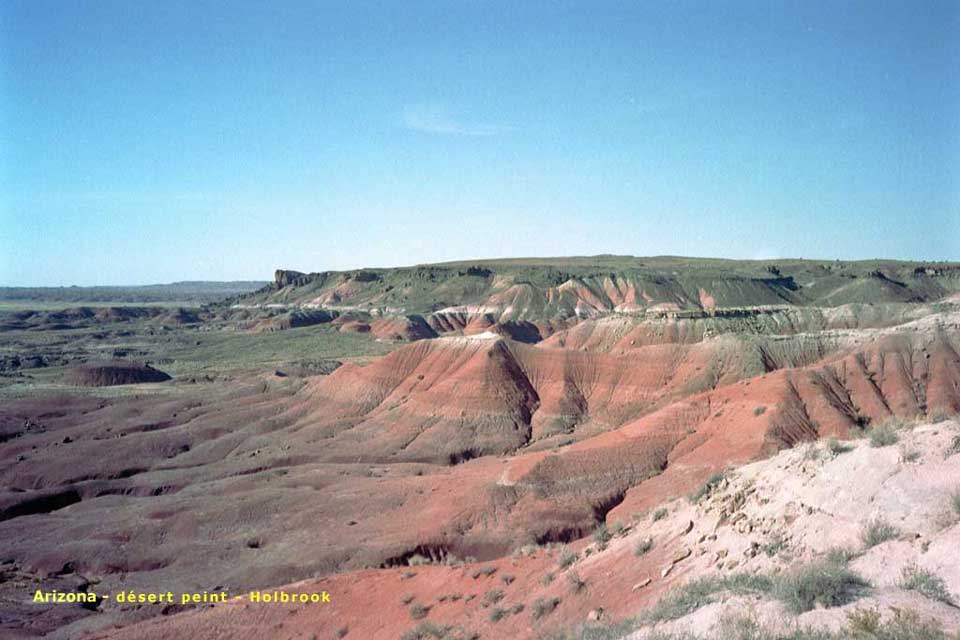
(562, 493)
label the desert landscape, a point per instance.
(479, 320)
(596, 447)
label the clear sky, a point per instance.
(150, 142)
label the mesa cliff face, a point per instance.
(557, 290)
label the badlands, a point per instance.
(596, 447)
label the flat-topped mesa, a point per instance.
(284, 277)
(569, 289)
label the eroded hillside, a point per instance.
(346, 440)
(837, 538)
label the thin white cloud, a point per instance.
(437, 119)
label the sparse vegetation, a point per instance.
(885, 434)
(493, 596)
(774, 546)
(593, 631)
(841, 555)
(417, 560)
(566, 558)
(424, 631)
(862, 624)
(939, 414)
(507, 579)
(499, 613)
(419, 611)
(905, 624)
(877, 531)
(811, 452)
(835, 447)
(547, 579)
(406, 599)
(707, 487)
(577, 584)
(909, 454)
(660, 514)
(428, 630)
(602, 536)
(954, 447)
(544, 606)
(486, 571)
(643, 546)
(925, 583)
(691, 596)
(828, 583)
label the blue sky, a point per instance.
(158, 141)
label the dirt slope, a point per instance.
(762, 519)
(461, 446)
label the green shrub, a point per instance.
(546, 579)
(828, 583)
(567, 558)
(493, 596)
(862, 624)
(595, 631)
(418, 611)
(602, 536)
(774, 546)
(544, 606)
(906, 624)
(707, 487)
(835, 447)
(841, 555)
(885, 434)
(877, 531)
(577, 584)
(812, 452)
(909, 455)
(660, 514)
(691, 596)
(954, 446)
(497, 614)
(925, 583)
(939, 415)
(417, 560)
(426, 630)
(487, 571)
(643, 546)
